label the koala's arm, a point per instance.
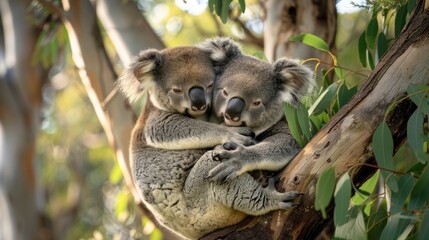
(175, 131)
(274, 151)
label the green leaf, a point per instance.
(324, 101)
(242, 5)
(311, 40)
(366, 189)
(339, 72)
(396, 225)
(345, 94)
(354, 228)
(420, 194)
(342, 195)
(411, 4)
(415, 136)
(400, 19)
(293, 123)
(362, 49)
(225, 10)
(382, 44)
(382, 143)
(377, 221)
(406, 184)
(211, 5)
(371, 32)
(419, 95)
(423, 233)
(304, 122)
(218, 7)
(324, 189)
(370, 60)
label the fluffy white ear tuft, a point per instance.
(221, 50)
(297, 79)
(139, 76)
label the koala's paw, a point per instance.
(283, 199)
(226, 171)
(242, 135)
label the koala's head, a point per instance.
(250, 92)
(178, 79)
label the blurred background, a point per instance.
(65, 55)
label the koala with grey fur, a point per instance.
(169, 151)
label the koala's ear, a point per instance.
(297, 79)
(221, 50)
(139, 76)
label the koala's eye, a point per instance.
(225, 93)
(177, 90)
(210, 85)
(257, 103)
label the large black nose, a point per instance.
(234, 109)
(198, 98)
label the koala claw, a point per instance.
(224, 172)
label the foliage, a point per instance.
(366, 214)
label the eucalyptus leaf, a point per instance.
(293, 124)
(367, 188)
(225, 10)
(311, 40)
(218, 7)
(377, 220)
(400, 19)
(242, 5)
(370, 60)
(382, 44)
(396, 225)
(345, 94)
(382, 144)
(371, 32)
(397, 199)
(420, 194)
(354, 228)
(304, 122)
(342, 194)
(324, 189)
(362, 49)
(415, 136)
(324, 101)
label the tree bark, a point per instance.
(127, 28)
(285, 18)
(344, 142)
(20, 102)
(97, 72)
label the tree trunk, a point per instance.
(285, 18)
(127, 28)
(20, 102)
(344, 142)
(97, 73)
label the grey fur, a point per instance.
(171, 179)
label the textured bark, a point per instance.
(285, 18)
(21, 85)
(344, 142)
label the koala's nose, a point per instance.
(197, 98)
(234, 109)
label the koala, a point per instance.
(170, 149)
(179, 82)
(250, 92)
